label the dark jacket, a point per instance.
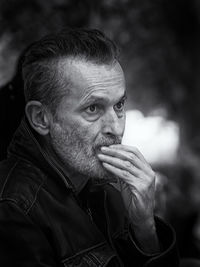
(45, 222)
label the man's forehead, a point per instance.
(80, 67)
(85, 78)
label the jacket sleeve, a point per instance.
(130, 252)
(21, 242)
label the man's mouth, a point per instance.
(106, 143)
(97, 149)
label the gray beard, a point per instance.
(78, 157)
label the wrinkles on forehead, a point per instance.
(89, 76)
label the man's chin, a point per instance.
(95, 170)
(102, 174)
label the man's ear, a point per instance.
(38, 117)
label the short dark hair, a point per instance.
(41, 77)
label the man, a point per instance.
(59, 203)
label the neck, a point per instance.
(77, 179)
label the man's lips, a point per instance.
(106, 143)
(97, 149)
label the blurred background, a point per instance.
(159, 42)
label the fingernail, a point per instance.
(114, 145)
(103, 148)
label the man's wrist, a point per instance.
(146, 236)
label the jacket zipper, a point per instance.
(89, 213)
(108, 229)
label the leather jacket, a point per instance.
(45, 222)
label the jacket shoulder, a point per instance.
(20, 181)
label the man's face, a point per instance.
(90, 116)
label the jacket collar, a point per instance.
(27, 145)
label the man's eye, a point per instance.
(119, 106)
(92, 109)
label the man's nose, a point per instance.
(113, 125)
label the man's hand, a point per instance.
(137, 181)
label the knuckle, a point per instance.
(126, 174)
(132, 157)
(143, 177)
(128, 164)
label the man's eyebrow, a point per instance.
(97, 98)
(94, 98)
(124, 97)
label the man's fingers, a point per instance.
(121, 174)
(121, 164)
(127, 156)
(126, 177)
(130, 149)
(124, 155)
